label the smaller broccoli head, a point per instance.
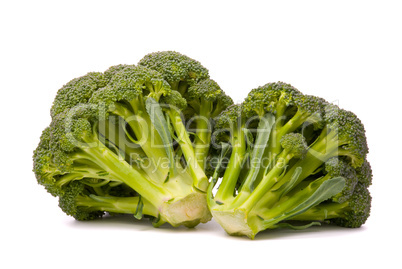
(311, 109)
(44, 168)
(131, 82)
(81, 130)
(70, 133)
(206, 99)
(141, 80)
(295, 144)
(69, 202)
(365, 174)
(175, 100)
(310, 103)
(231, 117)
(269, 98)
(357, 210)
(111, 71)
(206, 89)
(77, 91)
(335, 167)
(59, 139)
(71, 128)
(223, 102)
(230, 120)
(174, 67)
(350, 132)
(54, 156)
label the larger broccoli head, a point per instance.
(117, 143)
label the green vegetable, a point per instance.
(293, 158)
(118, 142)
(153, 140)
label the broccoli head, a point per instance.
(292, 157)
(118, 143)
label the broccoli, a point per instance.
(153, 139)
(292, 160)
(118, 142)
(205, 99)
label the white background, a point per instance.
(348, 52)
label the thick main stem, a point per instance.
(267, 182)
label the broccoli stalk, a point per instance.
(303, 153)
(207, 100)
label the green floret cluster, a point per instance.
(294, 158)
(153, 139)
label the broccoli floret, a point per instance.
(335, 167)
(177, 69)
(205, 99)
(77, 91)
(272, 97)
(69, 202)
(294, 145)
(298, 155)
(365, 174)
(117, 143)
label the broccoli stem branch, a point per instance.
(303, 200)
(203, 133)
(148, 139)
(200, 180)
(227, 188)
(123, 205)
(322, 212)
(325, 147)
(153, 141)
(267, 182)
(263, 134)
(282, 129)
(124, 172)
(116, 136)
(87, 172)
(322, 150)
